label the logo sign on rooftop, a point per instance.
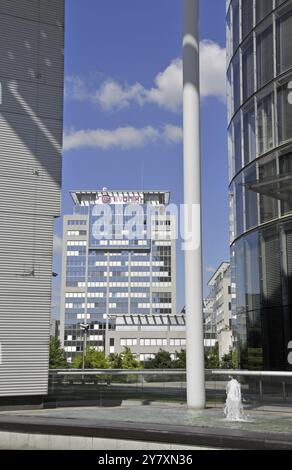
(119, 198)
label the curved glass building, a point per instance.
(259, 37)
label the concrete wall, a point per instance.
(167, 334)
(19, 441)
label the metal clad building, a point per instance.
(31, 111)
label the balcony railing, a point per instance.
(102, 387)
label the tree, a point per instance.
(230, 360)
(162, 360)
(129, 361)
(115, 361)
(93, 360)
(57, 355)
(235, 359)
(212, 358)
(227, 361)
(180, 362)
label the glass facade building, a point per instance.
(259, 77)
(109, 272)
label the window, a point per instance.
(252, 271)
(248, 70)
(229, 38)
(285, 112)
(263, 8)
(235, 23)
(128, 342)
(268, 205)
(230, 152)
(249, 135)
(284, 41)
(177, 342)
(236, 82)
(265, 56)
(229, 94)
(286, 169)
(250, 198)
(247, 16)
(237, 143)
(265, 124)
(239, 205)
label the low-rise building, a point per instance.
(145, 335)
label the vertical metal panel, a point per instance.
(31, 112)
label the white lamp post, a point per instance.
(192, 201)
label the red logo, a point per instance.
(106, 199)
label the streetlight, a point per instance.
(84, 328)
(192, 202)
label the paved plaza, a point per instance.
(159, 423)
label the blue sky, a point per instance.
(122, 113)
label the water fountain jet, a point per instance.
(233, 407)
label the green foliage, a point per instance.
(181, 360)
(212, 358)
(162, 360)
(235, 359)
(228, 361)
(98, 360)
(77, 363)
(93, 360)
(57, 355)
(128, 360)
(115, 361)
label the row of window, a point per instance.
(74, 280)
(257, 63)
(240, 23)
(77, 222)
(155, 342)
(76, 233)
(254, 131)
(76, 243)
(261, 193)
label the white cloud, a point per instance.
(57, 244)
(210, 269)
(111, 95)
(76, 89)
(172, 134)
(123, 137)
(167, 89)
(213, 70)
(167, 92)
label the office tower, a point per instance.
(115, 268)
(259, 36)
(31, 111)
